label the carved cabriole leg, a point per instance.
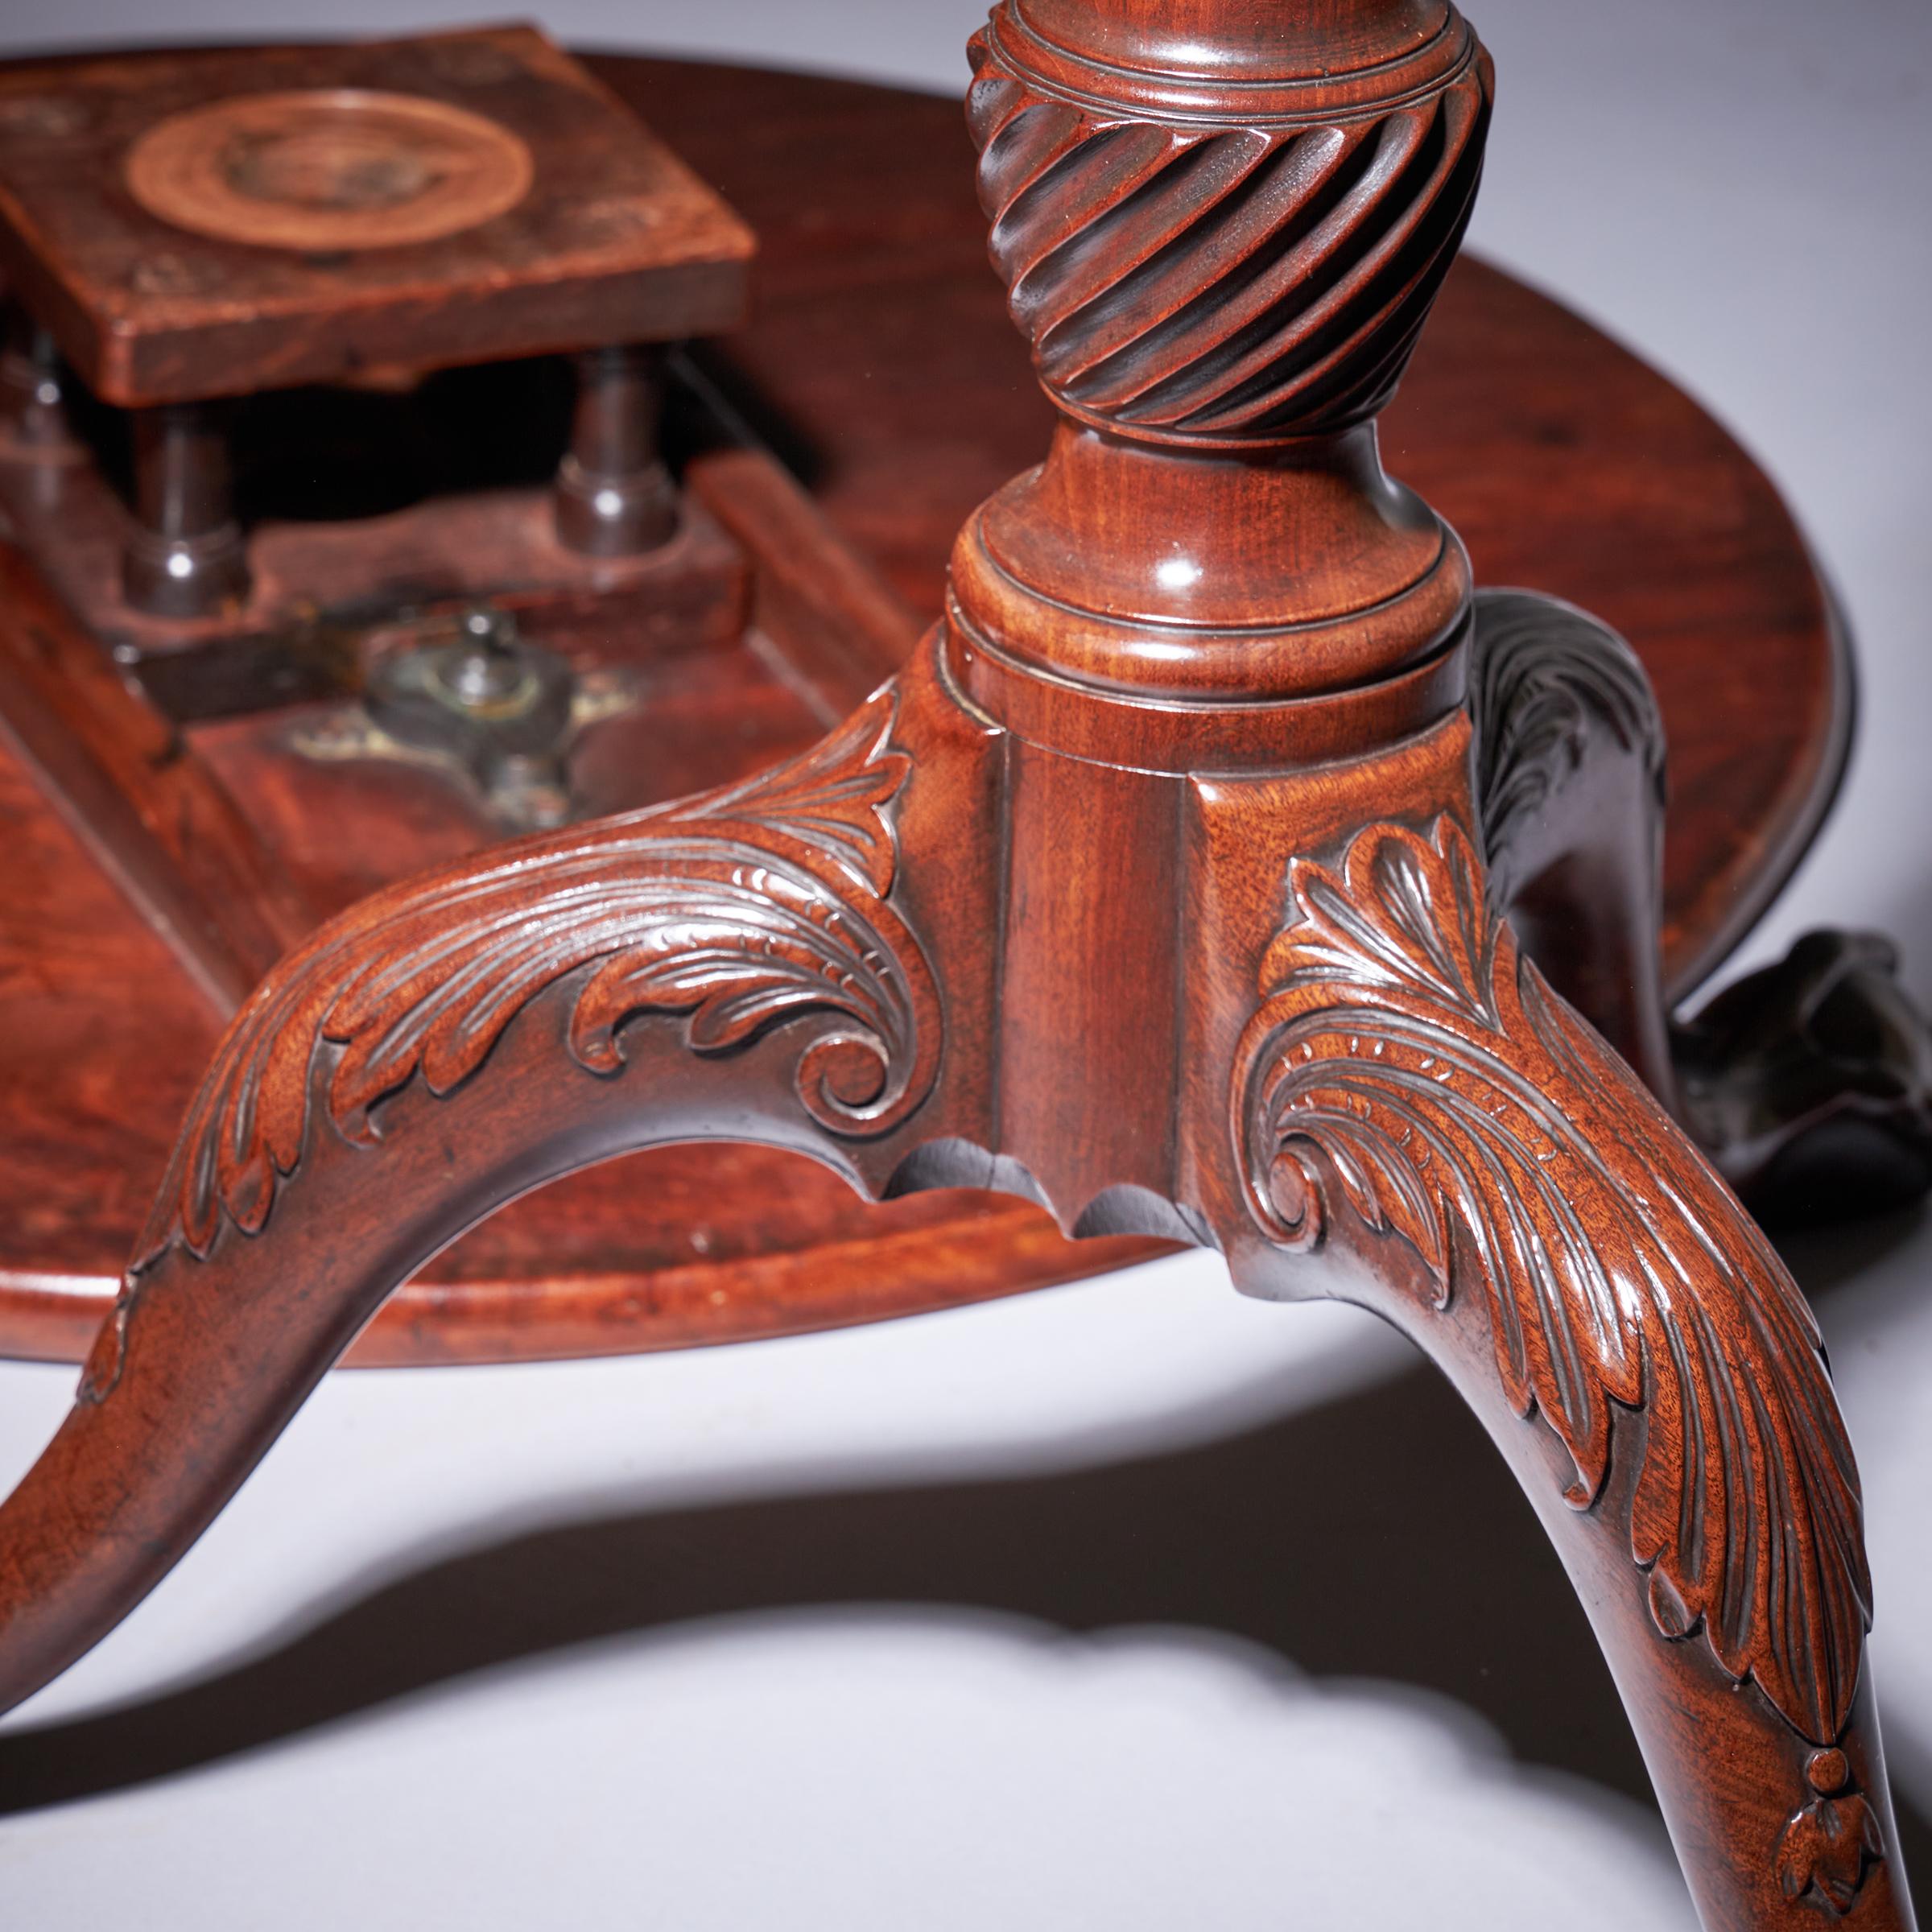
(1236, 663)
(1807, 1084)
(1570, 790)
(746, 965)
(1422, 1126)
(1155, 890)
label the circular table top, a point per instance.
(881, 361)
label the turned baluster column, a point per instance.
(1221, 229)
(1231, 656)
(1221, 242)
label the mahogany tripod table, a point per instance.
(878, 358)
(1186, 881)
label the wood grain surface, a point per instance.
(880, 364)
(174, 286)
(1156, 887)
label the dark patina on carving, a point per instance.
(1809, 1082)
(1544, 678)
(740, 907)
(1407, 1064)
(1831, 1843)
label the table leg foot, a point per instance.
(1415, 1104)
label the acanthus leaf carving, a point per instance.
(1407, 1057)
(1546, 678)
(740, 907)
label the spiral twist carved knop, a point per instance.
(1189, 281)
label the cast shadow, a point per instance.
(1375, 1536)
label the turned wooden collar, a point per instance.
(1220, 244)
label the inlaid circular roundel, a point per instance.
(327, 169)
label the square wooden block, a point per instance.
(207, 224)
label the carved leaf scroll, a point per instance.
(741, 907)
(1546, 679)
(1407, 1058)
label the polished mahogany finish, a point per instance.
(1158, 887)
(879, 350)
(215, 223)
(219, 224)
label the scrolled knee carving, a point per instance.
(1569, 787)
(1809, 1083)
(1551, 688)
(761, 909)
(740, 907)
(1409, 1087)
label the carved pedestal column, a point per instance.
(1169, 884)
